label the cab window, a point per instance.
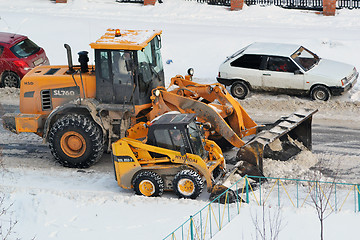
(170, 139)
(121, 67)
(196, 139)
(163, 138)
(145, 72)
(104, 65)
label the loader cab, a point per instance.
(128, 66)
(177, 132)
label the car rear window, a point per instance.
(25, 48)
(247, 61)
(1, 50)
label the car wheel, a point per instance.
(239, 90)
(10, 79)
(321, 93)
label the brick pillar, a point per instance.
(149, 2)
(237, 4)
(61, 1)
(329, 7)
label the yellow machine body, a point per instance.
(139, 158)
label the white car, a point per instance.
(285, 68)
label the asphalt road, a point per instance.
(338, 146)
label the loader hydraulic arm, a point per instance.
(210, 102)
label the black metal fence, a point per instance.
(348, 4)
(293, 4)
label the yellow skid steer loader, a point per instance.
(173, 155)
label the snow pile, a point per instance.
(9, 96)
(297, 167)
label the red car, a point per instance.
(18, 55)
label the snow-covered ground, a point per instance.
(50, 202)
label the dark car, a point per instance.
(18, 55)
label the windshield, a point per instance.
(305, 59)
(150, 65)
(24, 48)
(196, 140)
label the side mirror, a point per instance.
(182, 150)
(297, 72)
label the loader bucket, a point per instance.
(279, 141)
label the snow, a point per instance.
(50, 202)
(296, 224)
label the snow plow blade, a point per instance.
(279, 141)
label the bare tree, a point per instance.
(270, 224)
(6, 225)
(320, 195)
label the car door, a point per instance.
(247, 68)
(281, 73)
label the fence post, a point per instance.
(358, 187)
(149, 2)
(236, 4)
(191, 228)
(329, 7)
(247, 190)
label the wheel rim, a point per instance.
(10, 80)
(146, 188)
(320, 95)
(73, 144)
(186, 187)
(239, 91)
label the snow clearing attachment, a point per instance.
(279, 141)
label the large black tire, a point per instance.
(10, 79)
(148, 183)
(321, 93)
(188, 184)
(76, 141)
(239, 90)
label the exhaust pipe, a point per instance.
(69, 57)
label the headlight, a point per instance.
(157, 92)
(191, 71)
